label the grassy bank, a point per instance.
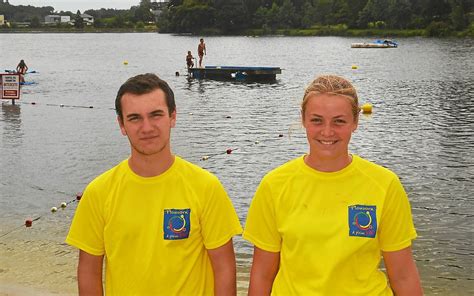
(335, 30)
(341, 30)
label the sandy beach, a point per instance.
(43, 268)
(38, 267)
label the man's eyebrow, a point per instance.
(158, 111)
(133, 115)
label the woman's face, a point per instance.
(329, 124)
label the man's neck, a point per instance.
(151, 165)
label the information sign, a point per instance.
(10, 86)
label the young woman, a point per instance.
(321, 223)
(22, 68)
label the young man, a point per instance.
(164, 225)
(201, 51)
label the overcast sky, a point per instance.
(74, 5)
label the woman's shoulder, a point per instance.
(373, 169)
(285, 170)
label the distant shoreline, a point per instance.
(312, 32)
(61, 30)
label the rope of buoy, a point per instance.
(29, 222)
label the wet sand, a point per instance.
(37, 268)
(44, 268)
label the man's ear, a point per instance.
(122, 127)
(173, 118)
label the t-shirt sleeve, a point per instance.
(396, 228)
(87, 227)
(261, 227)
(219, 220)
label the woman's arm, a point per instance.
(89, 274)
(402, 272)
(264, 269)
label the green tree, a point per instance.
(35, 22)
(400, 14)
(341, 13)
(287, 15)
(308, 13)
(231, 16)
(143, 12)
(458, 18)
(78, 21)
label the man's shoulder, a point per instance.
(192, 170)
(110, 174)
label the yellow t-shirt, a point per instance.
(154, 232)
(330, 228)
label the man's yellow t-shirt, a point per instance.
(155, 232)
(330, 228)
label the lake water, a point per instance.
(422, 128)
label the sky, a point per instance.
(74, 5)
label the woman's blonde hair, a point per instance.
(332, 84)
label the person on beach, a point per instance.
(201, 51)
(163, 224)
(22, 68)
(189, 60)
(320, 223)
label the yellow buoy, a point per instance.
(125, 62)
(354, 67)
(366, 108)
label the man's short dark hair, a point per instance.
(143, 84)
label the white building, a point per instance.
(65, 18)
(54, 19)
(88, 19)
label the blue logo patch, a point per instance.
(362, 221)
(176, 223)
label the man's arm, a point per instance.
(264, 269)
(402, 272)
(223, 265)
(89, 274)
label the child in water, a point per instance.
(189, 60)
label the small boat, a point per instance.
(235, 73)
(27, 72)
(379, 43)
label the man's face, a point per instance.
(147, 123)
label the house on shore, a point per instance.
(88, 19)
(56, 19)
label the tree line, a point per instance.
(436, 17)
(233, 16)
(135, 17)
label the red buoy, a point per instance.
(78, 196)
(228, 151)
(28, 223)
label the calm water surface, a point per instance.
(421, 128)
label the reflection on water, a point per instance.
(11, 124)
(421, 128)
(12, 133)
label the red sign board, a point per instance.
(10, 86)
